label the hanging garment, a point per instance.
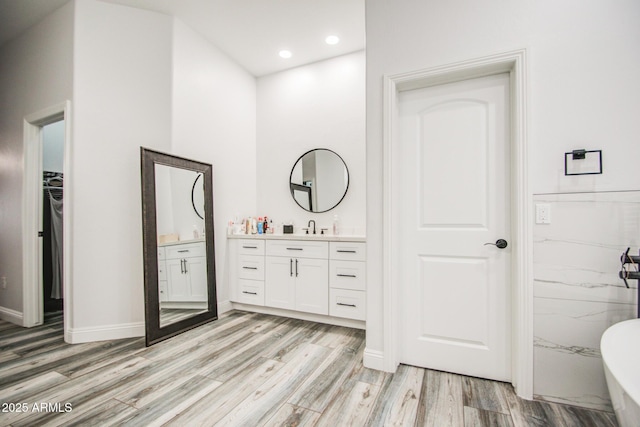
(56, 246)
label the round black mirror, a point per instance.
(319, 180)
(197, 196)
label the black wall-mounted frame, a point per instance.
(148, 160)
(304, 189)
(578, 155)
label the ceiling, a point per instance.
(18, 15)
(252, 32)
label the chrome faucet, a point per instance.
(314, 225)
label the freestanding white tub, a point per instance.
(620, 348)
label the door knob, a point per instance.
(500, 243)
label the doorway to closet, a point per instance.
(52, 216)
(38, 160)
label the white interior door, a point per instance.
(454, 197)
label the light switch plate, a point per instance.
(543, 213)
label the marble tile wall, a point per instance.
(577, 292)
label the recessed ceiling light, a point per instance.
(332, 40)
(285, 54)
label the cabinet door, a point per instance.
(280, 282)
(312, 285)
(197, 276)
(178, 283)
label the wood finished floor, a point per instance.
(248, 369)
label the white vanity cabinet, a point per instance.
(296, 276)
(249, 271)
(347, 296)
(315, 277)
(162, 276)
(185, 272)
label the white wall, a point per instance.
(122, 100)
(37, 73)
(53, 147)
(321, 105)
(583, 90)
(174, 208)
(214, 121)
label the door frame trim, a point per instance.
(32, 300)
(514, 63)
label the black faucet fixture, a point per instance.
(314, 225)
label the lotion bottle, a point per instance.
(336, 225)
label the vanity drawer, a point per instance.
(297, 248)
(250, 247)
(251, 267)
(347, 303)
(347, 275)
(348, 251)
(160, 253)
(250, 292)
(186, 250)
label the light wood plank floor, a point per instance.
(246, 369)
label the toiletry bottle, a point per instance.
(265, 225)
(336, 225)
(260, 226)
(271, 229)
(254, 226)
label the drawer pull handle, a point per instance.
(184, 250)
(249, 247)
(346, 275)
(346, 305)
(342, 251)
(250, 268)
(294, 249)
(250, 293)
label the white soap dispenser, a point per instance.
(336, 225)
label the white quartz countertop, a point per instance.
(180, 242)
(318, 237)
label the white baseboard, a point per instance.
(224, 306)
(320, 318)
(103, 333)
(11, 316)
(373, 359)
(184, 305)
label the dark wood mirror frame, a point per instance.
(148, 160)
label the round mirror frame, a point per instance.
(345, 189)
(193, 200)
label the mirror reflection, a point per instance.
(319, 180)
(182, 269)
(197, 196)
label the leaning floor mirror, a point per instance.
(179, 255)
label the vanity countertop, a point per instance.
(180, 242)
(318, 237)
